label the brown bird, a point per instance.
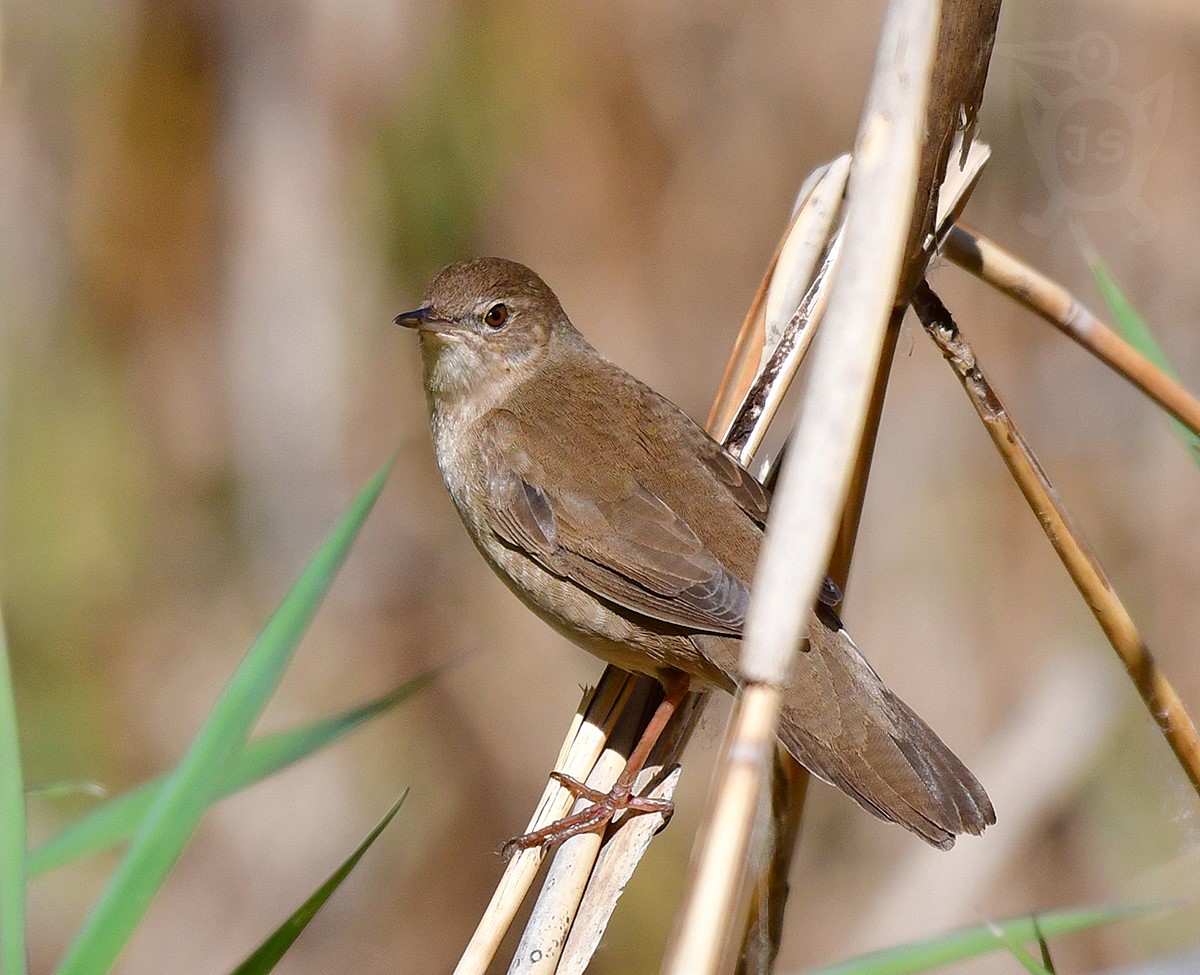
(623, 525)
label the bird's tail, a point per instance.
(844, 725)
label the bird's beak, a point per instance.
(415, 318)
(425, 320)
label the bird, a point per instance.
(620, 522)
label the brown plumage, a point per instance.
(620, 522)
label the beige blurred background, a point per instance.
(209, 214)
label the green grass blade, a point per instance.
(12, 827)
(192, 786)
(1017, 950)
(115, 820)
(266, 956)
(921, 956)
(1137, 333)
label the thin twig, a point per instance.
(1156, 691)
(991, 263)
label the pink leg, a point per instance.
(605, 805)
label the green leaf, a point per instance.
(1044, 947)
(265, 957)
(1017, 950)
(921, 956)
(192, 786)
(116, 820)
(1137, 333)
(12, 827)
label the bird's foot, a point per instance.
(604, 806)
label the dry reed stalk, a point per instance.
(1156, 691)
(773, 318)
(769, 893)
(625, 848)
(721, 854)
(591, 727)
(809, 500)
(994, 265)
(545, 936)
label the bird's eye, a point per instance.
(496, 316)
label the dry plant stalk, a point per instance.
(1156, 691)
(784, 316)
(803, 242)
(624, 850)
(808, 503)
(544, 938)
(991, 263)
(585, 742)
(768, 895)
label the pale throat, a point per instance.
(463, 385)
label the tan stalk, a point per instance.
(773, 319)
(991, 263)
(812, 491)
(585, 742)
(1156, 691)
(769, 890)
(545, 935)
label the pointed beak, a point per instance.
(415, 318)
(425, 320)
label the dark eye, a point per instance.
(496, 316)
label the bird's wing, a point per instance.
(753, 498)
(606, 531)
(743, 487)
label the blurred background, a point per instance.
(209, 214)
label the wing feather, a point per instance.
(611, 535)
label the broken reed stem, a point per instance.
(994, 265)
(742, 367)
(777, 322)
(1156, 691)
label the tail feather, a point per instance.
(842, 723)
